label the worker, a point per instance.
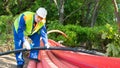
(32, 25)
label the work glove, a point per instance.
(47, 46)
(27, 45)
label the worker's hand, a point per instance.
(27, 45)
(47, 45)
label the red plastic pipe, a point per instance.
(69, 59)
(68, 63)
(56, 61)
(86, 61)
(32, 64)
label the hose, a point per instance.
(53, 48)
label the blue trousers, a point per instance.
(19, 44)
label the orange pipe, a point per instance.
(58, 31)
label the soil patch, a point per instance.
(8, 61)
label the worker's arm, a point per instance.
(21, 29)
(43, 33)
(21, 36)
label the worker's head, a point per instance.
(41, 13)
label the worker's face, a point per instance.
(38, 18)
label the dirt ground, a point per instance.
(8, 61)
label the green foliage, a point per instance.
(70, 7)
(5, 27)
(76, 34)
(56, 26)
(105, 13)
(2, 25)
(103, 38)
(70, 31)
(75, 12)
(111, 35)
(113, 49)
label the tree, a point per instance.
(116, 13)
(61, 11)
(94, 15)
(60, 8)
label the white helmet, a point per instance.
(42, 12)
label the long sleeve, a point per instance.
(21, 29)
(43, 33)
